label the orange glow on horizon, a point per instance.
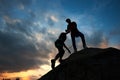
(21, 75)
(26, 75)
(25, 78)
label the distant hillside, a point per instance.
(88, 64)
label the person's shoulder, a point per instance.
(74, 23)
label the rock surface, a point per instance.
(88, 64)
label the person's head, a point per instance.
(68, 20)
(63, 36)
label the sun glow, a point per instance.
(24, 75)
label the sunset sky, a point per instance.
(28, 29)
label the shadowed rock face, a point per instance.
(88, 64)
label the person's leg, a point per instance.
(56, 57)
(54, 60)
(61, 55)
(73, 43)
(83, 40)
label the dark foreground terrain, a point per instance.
(88, 64)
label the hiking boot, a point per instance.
(53, 63)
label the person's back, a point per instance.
(59, 43)
(73, 26)
(73, 29)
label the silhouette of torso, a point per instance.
(72, 27)
(59, 43)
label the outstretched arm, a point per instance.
(67, 48)
(68, 29)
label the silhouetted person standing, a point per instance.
(59, 44)
(72, 27)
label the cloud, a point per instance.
(7, 8)
(28, 31)
(54, 18)
(114, 36)
(24, 44)
(20, 48)
(18, 52)
(115, 31)
(17, 25)
(8, 20)
(97, 39)
(21, 6)
(51, 19)
(13, 50)
(104, 43)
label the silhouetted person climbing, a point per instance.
(59, 44)
(72, 27)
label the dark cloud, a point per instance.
(19, 47)
(13, 47)
(18, 53)
(17, 25)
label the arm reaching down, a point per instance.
(67, 48)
